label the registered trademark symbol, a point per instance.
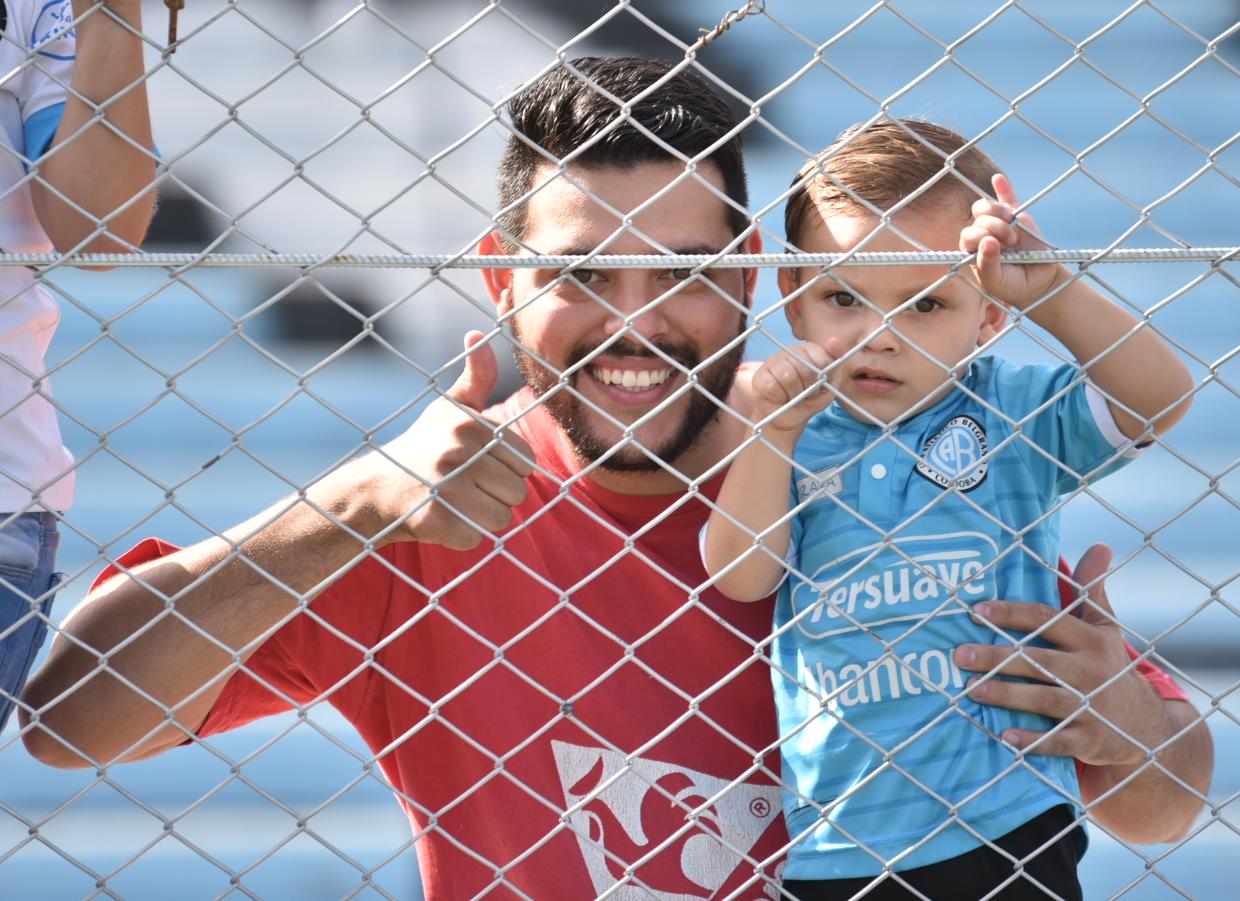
(760, 807)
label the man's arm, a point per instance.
(138, 665)
(101, 158)
(1148, 761)
(1149, 804)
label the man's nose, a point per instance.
(638, 307)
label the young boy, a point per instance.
(924, 479)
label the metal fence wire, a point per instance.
(326, 172)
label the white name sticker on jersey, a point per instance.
(824, 483)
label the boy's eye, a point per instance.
(842, 299)
(926, 305)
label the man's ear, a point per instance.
(994, 318)
(498, 281)
(753, 244)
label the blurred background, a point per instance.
(319, 126)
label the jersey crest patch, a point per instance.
(955, 457)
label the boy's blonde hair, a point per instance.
(876, 166)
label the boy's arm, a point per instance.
(755, 493)
(753, 497)
(1145, 383)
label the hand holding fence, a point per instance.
(997, 227)
(790, 387)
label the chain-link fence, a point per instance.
(573, 708)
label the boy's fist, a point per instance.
(790, 385)
(995, 228)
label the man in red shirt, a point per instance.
(508, 603)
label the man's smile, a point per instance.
(630, 379)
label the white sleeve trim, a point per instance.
(1100, 409)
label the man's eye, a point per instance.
(842, 299)
(681, 274)
(584, 276)
(926, 305)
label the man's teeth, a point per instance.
(632, 379)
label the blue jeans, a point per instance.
(28, 545)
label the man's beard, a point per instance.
(572, 413)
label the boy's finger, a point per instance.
(766, 387)
(786, 378)
(836, 347)
(972, 235)
(1004, 191)
(1029, 226)
(806, 377)
(988, 261)
(987, 207)
(818, 356)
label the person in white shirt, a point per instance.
(77, 167)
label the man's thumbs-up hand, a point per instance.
(477, 380)
(452, 477)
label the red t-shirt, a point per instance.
(551, 710)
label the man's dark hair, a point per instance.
(580, 99)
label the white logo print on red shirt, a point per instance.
(621, 815)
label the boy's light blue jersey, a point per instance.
(895, 537)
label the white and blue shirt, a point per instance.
(898, 532)
(36, 63)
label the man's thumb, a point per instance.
(1091, 572)
(474, 386)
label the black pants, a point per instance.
(975, 874)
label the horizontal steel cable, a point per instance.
(1216, 255)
